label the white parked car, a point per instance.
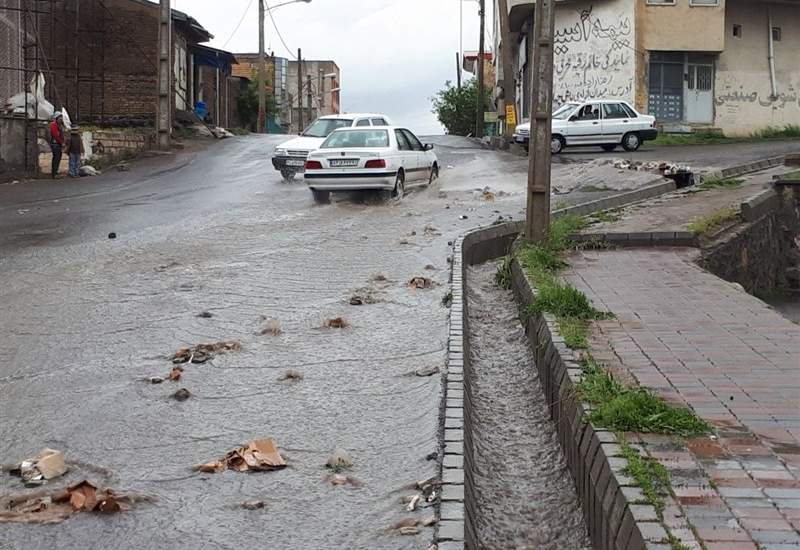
(608, 123)
(387, 158)
(290, 156)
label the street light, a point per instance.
(262, 61)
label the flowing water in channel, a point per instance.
(525, 496)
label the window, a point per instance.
(363, 122)
(402, 142)
(661, 2)
(412, 139)
(614, 110)
(324, 126)
(590, 111)
(776, 34)
(704, 2)
(379, 122)
(564, 111)
(737, 31)
(631, 112)
(356, 138)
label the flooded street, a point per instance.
(525, 495)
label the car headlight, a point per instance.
(280, 152)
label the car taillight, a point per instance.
(313, 165)
(380, 163)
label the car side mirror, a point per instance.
(428, 146)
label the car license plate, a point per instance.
(295, 163)
(343, 163)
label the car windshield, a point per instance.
(356, 138)
(564, 111)
(324, 126)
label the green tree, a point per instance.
(247, 104)
(456, 107)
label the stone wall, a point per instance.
(119, 141)
(758, 254)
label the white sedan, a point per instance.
(607, 123)
(387, 158)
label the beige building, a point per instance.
(727, 64)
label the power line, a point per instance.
(249, 5)
(275, 26)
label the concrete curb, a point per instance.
(747, 168)
(655, 238)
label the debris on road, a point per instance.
(253, 504)
(112, 235)
(182, 395)
(488, 196)
(421, 283)
(89, 171)
(205, 315)
(412, 503)
(363, 296)
(291, 375)
(203, 352)
(123, 167)
(380, 278)
(339, 460)
(341, 479)
(155, 380)
(337, 322)
(431, 231)
(175, 374)
(47, 508)
(258, 455)
(430, 267)
(429, 521)
(427, 371)
(404, 241)
(409, 531)
(39, 469)
(463, 217)
(272, 327)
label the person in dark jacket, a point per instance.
(75, 149)
(57, 141)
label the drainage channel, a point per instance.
(524, 495)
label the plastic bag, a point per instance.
(16, 104)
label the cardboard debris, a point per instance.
(56, 507)
(421, 283)
(203, 352)
(258, 455)
(46, 465)
(338, 322)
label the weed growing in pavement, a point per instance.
(503, 276)
(788, 131)
(623, 409)
(447, 299)
(717, 183)
(574, 331)
(650, 476)
(606, 216)
(706, 225)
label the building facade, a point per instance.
(726, 64)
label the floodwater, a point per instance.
(787, 305)
(525, 494)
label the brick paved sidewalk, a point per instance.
(696, 339)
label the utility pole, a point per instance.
(262, 72)
(509, 88)
(299, 91)
(458, 69)
(310, 98)
(481, 107)
(164, 109)
(537, 221)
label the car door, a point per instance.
(585, 126)
(406, 154)
(422, 169)
(616, 122)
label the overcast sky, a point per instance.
(394, 54)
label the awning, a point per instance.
(212, 57)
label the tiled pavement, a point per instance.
(696, 339)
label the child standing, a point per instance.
(75, 152)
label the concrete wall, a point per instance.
(742, 92)
(594, 50)
(681, 27)
(122, 140)
(12, 145)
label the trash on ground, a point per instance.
(430, 267)
(292, 375)
(89, 171)
(258, 455)
(463, 217)
(404, 241)
(175, 374)
(423, 372)
(337, 322)
(39, 469)
(112, 235)
(432, 456)
(182, 395)
(421, 283)
(339, 460)
(431, 231)
(429, 521)
(341, 479)
(205, 315)
(363, 296)
(155, 380)
(203, 352)
(272, 327)
(380, 278)
(409, 531)
(488, 195)
(253, 504)
(406, 523)
(412, 504)
(56, 507)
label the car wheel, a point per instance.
(288, 175)
(557, 144)
(321, 197)
(434, 173)
(399, 190)
(608, 148)
(631, 141)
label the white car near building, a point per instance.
(607, 123)
(290, 157)
(387, 158)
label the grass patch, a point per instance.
(721, 183)
(791, 176)
(503, 275)
(623, 409)
(706, 225)
(788, 131)
(606, 216)
(650, 476)
(575, 332)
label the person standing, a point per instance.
(75, 149)
(57, 142)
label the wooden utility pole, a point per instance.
(310, 98)
(262, 72)
(537, 222)
(509, 85)
(458, 69)
(164, 109)
(299, 91)
(481, 107)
